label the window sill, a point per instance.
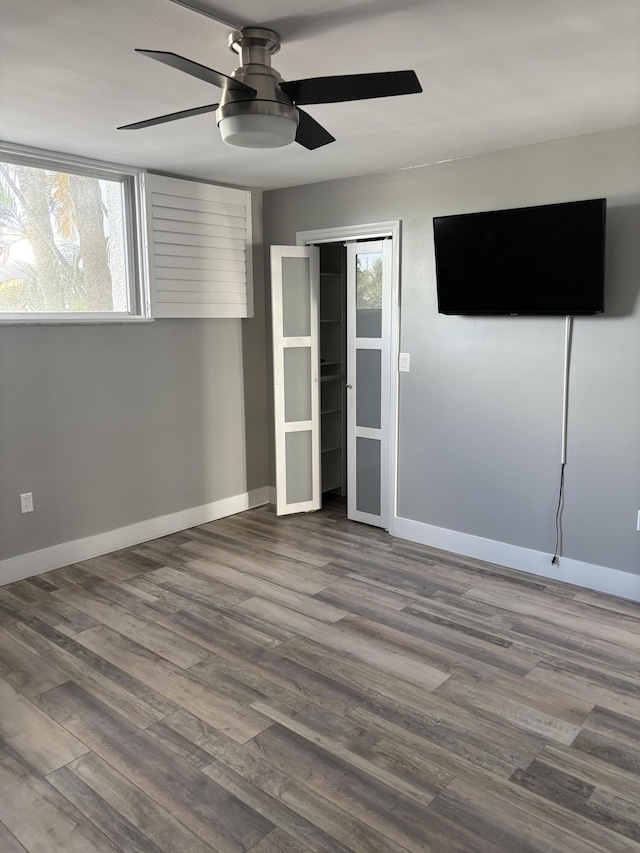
(74, 320)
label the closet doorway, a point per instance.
(335, 336)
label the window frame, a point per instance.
(135, 234)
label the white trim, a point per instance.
(67, 553)
(370, 231)
(587, 575)
(370, 343)
(304, 341)
(249, 255)
(26, 155)
(72, 319)
(366, 518)
(298, 426)
(368, 432)
(376, 231)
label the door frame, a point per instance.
(376, 231)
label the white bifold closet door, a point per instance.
(368, 380)
(296, 359)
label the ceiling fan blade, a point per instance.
(310, 134)
(197, 70)
(210, 12)
(149, 122)
(351, 87)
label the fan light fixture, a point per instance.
(258, 131)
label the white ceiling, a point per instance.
(495, 73)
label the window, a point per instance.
(70, 234)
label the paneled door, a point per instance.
(295, 296)
(368, 380)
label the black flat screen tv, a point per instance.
(530, 260)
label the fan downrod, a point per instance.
(254, 45)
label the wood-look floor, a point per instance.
(310, 684)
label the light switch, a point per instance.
(404, 362)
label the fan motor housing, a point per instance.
(255, 46)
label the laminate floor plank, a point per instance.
(214, 814)
(38, 739)
(363, 676)
(157, 639)
(225, 765)
(134, 600)
(216, 630)
(570, 613)
(305, 683)
(264, 538)
(220, 708)
(135, 808)
(129, 696)
(581, 797)
(25, 671)
(8, 842)
(460, 639)
(40, 818)
(180, 598)
(451, 606)
(264, 669)
(616, 608)
(495, 746)
(58, 614)
(368, 592)
(347, 831)
(192, 585)
(314, 607)
(378, 654)
(513, 826)
(486, 704)
(538, 698)
(379, 805)
(298, 576)
(341, 745)
(122, 833)
(591, 684)
(279, 842)
(593, 770)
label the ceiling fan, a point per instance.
(258, 109)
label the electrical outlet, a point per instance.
(26, 502)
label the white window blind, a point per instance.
(199, 249)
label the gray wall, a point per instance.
(109, 425)
(480, 412)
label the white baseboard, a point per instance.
(67, 553)
(598, 578)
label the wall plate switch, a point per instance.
(404, 362)
(26, 502)
(638, 524)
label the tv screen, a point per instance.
(530, 260)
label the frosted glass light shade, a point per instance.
(258, 131)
